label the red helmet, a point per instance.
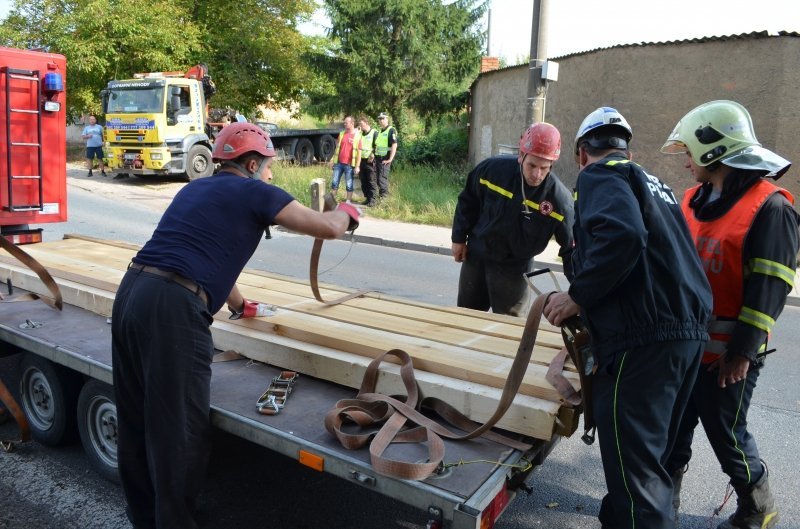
(240, 138)
(542, 140)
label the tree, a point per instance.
(397, 55)
(252, 47)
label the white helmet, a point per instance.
(605, 117)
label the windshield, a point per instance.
(136, 100)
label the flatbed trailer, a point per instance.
(66, 378)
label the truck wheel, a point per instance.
(48, 394)
(97, 424)
(304, 152)
(198, 164)
(324, 147)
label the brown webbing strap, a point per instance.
(556, 377)
(370, 408)
(44, 275)
(316, 251)
(24, 428)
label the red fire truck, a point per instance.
(33, 174)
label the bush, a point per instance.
(443, 147)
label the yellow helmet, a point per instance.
(723, 131)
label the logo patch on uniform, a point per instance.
(545, 208)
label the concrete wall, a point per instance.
(653, 86)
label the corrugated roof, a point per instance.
(740, 36)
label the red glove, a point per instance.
(252, 309)
(354, 213)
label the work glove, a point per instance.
(354, 213)
(252, 309)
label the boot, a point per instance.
(677, 480)
(755, 506)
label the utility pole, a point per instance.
(536, 85)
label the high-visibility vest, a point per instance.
(720, 244)
(382, 143)
(353, 155)
(368, 143)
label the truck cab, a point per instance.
(156, 125)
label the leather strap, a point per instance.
(22, 422)
(56, 301)
(370, 409)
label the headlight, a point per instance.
(155, 156)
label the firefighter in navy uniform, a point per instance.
(746, 233)
(508, 211)
(640, 288)
(161, 343)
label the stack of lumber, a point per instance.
(460, 356)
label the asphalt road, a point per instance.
(250, 486)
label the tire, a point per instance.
(198, 162)
(48, 396)
(97, 424)
(324, 146)
(304, 152)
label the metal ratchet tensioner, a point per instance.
(272, 401)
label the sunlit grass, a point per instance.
(419, 194)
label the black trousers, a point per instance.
(485, 285)
(383, 175)
(723, 412)
(161, 353)
(369, 186)
(639, 398)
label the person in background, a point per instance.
(346, 158)
(385, 151)
(93, 134)
(161, 341)
(507, 213)
(746, 232)
(368, 182)
(640, 289)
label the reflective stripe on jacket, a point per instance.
(720, 244)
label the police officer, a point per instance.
(368, 140)
(385, 151)
(508, 211)
(746, 233)
(641, 290)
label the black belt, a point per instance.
(188, 284)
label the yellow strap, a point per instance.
(756, 319)
(774, 269)
(558, 216)
(496, 188)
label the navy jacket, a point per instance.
(491, 218)
(637, 276)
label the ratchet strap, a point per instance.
(373, 409)
(577, 346)
(56, 301)
(12, 407)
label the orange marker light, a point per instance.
(311, 460)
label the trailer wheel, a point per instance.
(304, 152)
(97, 424)
(199, 164)
(48, 394)
(324, 146)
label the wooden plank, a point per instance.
(528, 415)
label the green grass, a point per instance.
(419, 194)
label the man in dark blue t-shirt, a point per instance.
(161, 341)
